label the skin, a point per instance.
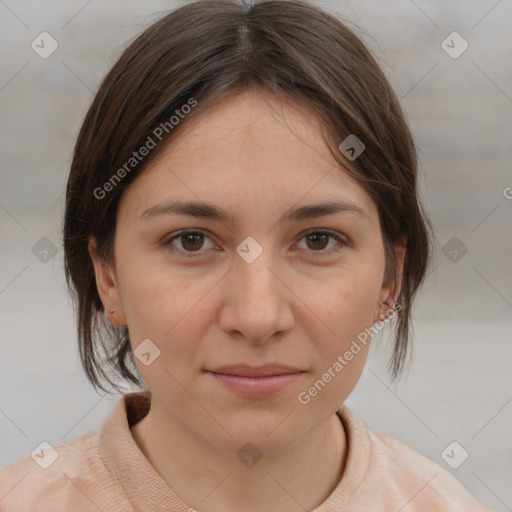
(298, 303)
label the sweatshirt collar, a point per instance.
(147, 490)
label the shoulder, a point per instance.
(420, 481)
(390, 475)
(71, 476)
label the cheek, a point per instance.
(160, 305)
(341, 342)
(154, 295)
(345, 310)
(345, 305)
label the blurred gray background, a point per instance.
(459, 106)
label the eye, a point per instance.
(191, 242)
(317, 241)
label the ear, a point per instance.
(390, 291)
(107, 286)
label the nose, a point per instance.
(258, 305)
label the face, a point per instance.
(246, 311)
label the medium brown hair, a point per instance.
(207, 50)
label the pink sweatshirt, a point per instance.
(105, 470)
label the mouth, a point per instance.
(256, 382)
(244, 370)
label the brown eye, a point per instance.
(317, 242)
(191, 242)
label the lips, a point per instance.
(260, 382)
(242, 370)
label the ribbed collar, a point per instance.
(147, 490)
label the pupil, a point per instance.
(317, 236)
(190, 238)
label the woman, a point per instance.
(243, 206)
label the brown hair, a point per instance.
(202, 52)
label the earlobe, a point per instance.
(107, 286)
(390, 292)
(400, 251)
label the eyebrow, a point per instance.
(210, 211)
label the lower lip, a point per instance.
(257, 387)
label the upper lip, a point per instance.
(244, 370)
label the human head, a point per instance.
(199, 55)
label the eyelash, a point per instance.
(319, 253)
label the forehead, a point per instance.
(252, 124)
(246, 150)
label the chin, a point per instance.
(270, 431)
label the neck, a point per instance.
(210, 479)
